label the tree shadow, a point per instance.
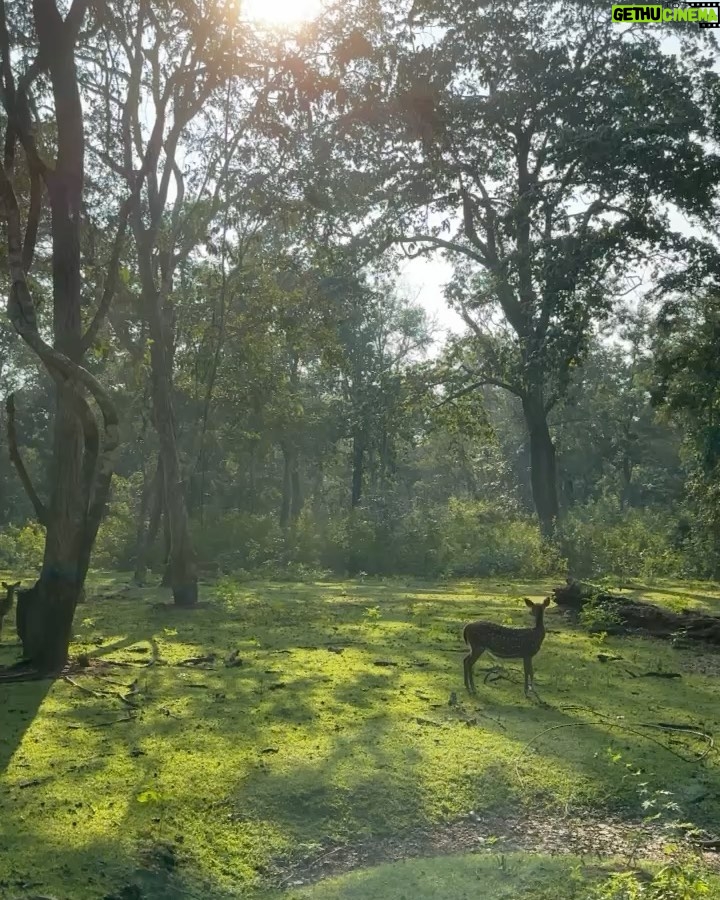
(295, 747)
(19, 705)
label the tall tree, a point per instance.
(536, 145)
(688, 373)
(45, 147)
(178, 64)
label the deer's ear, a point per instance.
(546, 602)
(528, 602)
(5, 585)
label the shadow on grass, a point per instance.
(19, 705)
(235, 766)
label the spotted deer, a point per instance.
(505, 643)
(6, 602)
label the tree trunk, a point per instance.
(358, 459)
(543, 474)
(145, 537)
(166, 580)
(156, 286)
(296, 498)
(181, 570)
(81, 467)
(286, 488)
(291, 504)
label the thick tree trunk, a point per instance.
(81, 468)
(166, 580)
(543, 473)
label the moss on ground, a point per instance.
(469, 877)
(337, 725)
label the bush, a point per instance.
(481, 540)
(234, 540)
(462, 539)
(602, 539)
(383, 537)
(22, 547)
(676, 881)
(115, 543)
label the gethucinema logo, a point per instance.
(707, 15)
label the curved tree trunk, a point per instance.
(81, 468)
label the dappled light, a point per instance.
(359, 450)
(335, 722)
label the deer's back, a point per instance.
(503, 641)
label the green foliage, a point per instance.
(688, 387)
(236, 540)
(597, 617)
(22, 547)
(481, 540)
(602, 538)
(676, 881)
(462, 538)
(115, 543)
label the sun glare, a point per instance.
(280, 12)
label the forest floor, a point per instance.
(315, 740)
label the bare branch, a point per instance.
(440, 242)
(112, 277)
(33, 221)
(16, 458)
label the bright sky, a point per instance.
(423, 280)
(280, 12)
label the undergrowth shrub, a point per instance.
(601, 539)
(390, 535)
(683, 877)
(675, 881)
(115, 544)
(22, 547)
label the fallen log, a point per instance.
(622, 615)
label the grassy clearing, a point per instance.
(225, 770)
(469, 877)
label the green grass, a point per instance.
(301, 747)
(469, 877)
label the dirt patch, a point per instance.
(586, 838)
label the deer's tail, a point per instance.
(465, 635)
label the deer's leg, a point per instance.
(529, 686)
(468, 664)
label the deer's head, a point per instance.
(537, 609)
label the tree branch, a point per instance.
(16, 458)
(440, 242)
(112, 278)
